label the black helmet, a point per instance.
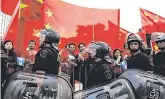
(102, 50)
(52, 36)
(132, 37)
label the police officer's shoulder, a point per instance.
(106, 71)
(143, 56)
(160, 55)
(157, 55)
(43, 53)
(105, 65)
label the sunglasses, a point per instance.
(133, 43)
(160, 41)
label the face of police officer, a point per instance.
(81, 47)
(42, 38)
(8, 45)
(161, 45)
(72, 48)
(31, 45)
(134, 46)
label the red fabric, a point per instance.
(154, 46)
(13, 30)
(8, 6)
(30, 55)
(75, 24)
(152, 22)
(23, 28)
(64, 56)
(142, 34)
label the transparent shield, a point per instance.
(37, 86)
(117, 89)
(91, 47)
(147, 85)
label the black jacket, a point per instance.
(159, 63)
(98, 73)
(140, 61)
(47, 59)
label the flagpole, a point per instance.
(12, 18)
(93, 28)
(0, 4)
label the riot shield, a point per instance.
(117, 89)
(38, 86)
(147, 85)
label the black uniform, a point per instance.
(99, 72)
(47, 59)
(140, 61)
(159, 62)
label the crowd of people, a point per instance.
(94, 64)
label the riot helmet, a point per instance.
(98, 49)
(42, 36)
(160, 41)
(134, 38)
(52, 37)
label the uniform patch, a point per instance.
(108, 74)
(43, 53)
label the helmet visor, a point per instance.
(91, 48)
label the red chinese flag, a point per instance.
(80, 24)
(8, 6)
(13, 30)
(28, 22)
(154, 46)
(152, 22)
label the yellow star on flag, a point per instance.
(85, 34)
(40, 1)
(49, 13)
(146, 14)
(155, 20)
(156, 48)
(47, 26)
(21, 6)
(36, 32)
(120, 34)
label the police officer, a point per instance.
(138, 60)
(159, 58)
(99, 71)
(47, 58)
